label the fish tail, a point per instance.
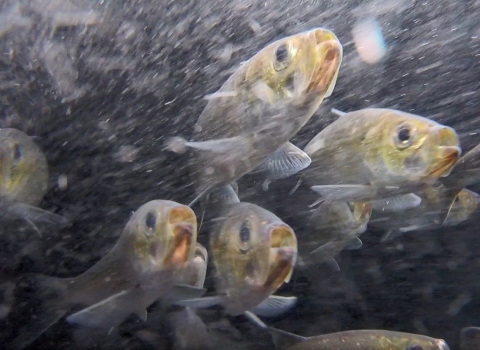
(49, 306)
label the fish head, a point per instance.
(303, 64)
(253, 250)
(418, 342)
(23, 167)
(463, 206)
(340, 216)
(417, 148)
(164, 235)
(360, 215)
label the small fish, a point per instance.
(336, 226)
(263, 104)
(146, 264)
(357, 340)
(470, 338)
(254, 253)
(436, 209)
(379, 153)
(23, 180)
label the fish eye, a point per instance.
(282, 57)
(281, 54)
(17, 153)
(244, 233)
(404, 135)
(150, 222)
(414, 347)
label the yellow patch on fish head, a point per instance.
(165, 234)
(23, 167)
(299, 64)
(417, 148)
(361, 212)
(463, 206)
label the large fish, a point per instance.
(254, 253)
(248, 122)
(146, 264)
(23, 180)
(357, 340)
(379, 153)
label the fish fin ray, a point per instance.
(396, 203)
(344, 192)
(286, 161)
(37, 215)
(109, 312)
(354, 244)
(200, 303)
(274, 306)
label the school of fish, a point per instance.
(375, 167)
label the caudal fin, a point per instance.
(49, 294)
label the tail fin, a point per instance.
(50, 296)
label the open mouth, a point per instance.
(449, 157)
(329, 53)
(182, 244)
(283, 254)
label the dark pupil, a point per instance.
(281, 54)
(404, 134)
(244, 233)
(16, 152)
(414, 347)
(151, 221)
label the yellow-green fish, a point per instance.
(146, 264)
(332, 227)
(265, 102)
(357, 340)
(23, 179)
(254, 253)
(437, 208)
(378, 153)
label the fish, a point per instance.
(24, 180)
(254, 253)
(379, 153)
(146, 264)
(357, 340)
(335, 225)
(470, 338)
(437, 209)
(247, 124)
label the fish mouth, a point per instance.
(449, 156)
(183, 221)
(181, 248)
(449, 151)
(329, 57)
(283, 255)
(362, 211)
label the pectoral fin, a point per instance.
(110, 312)
(344, 192)
(354, 244)
(34, 215)
(396, 203)
(286, 161)
(274, 306)
(200, 303)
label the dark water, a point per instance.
(108, 97)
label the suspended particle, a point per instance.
(369, 40)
